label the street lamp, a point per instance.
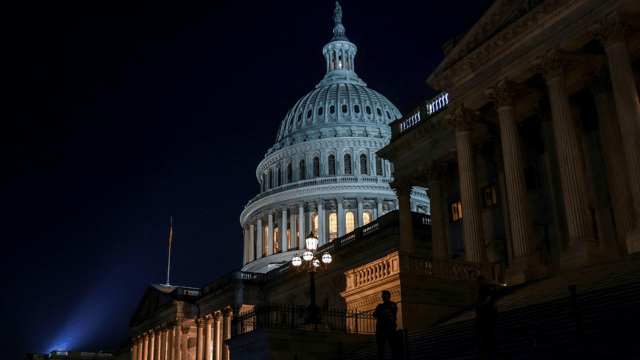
(309, 263)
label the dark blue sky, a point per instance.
(118, 115)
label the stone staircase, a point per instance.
(537, 320)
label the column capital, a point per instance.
(402, 187)
(208, 319)
(217, 316)
(311, 206)
(599, 83)
(552, 64)
(152, 334)
(503, 94)
(610, 31)
(434, 171)
(179, 321)
(200, 323)
(379, 201)
(461, 119)
(339, 200)
(164, 327)
(145, 336)
(320, 201)
(301, 203)
(227, 312)
(185, 330)
(360, 199)
(284, 207)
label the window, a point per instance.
(314, 224)
(270, 178)
(316, 166)
(288, 238)
(275, 240)
(456, 211)
(299, 117)
(368, 109)
(347, 164)
(356, 108)
(332, 109)
(333, 226)
(366, 217)
(363, 164)
(302, 166)
(319, 111)
(379, 112)
(344, 108)
(378, 166)
(265, 241)
(489, 196)
(332, 165)
(289, 173)
(279, 177)
(349, 221)
(309, 113)
(388, 115)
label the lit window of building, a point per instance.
(489, 196)
(366, 217)
(333, 226)
(314, 221)
(456, 211)
(349, 221)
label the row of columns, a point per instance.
(619, 116)
(170, 341)
(256, 233)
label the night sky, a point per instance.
(116, 116)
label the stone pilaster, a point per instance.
(294, 227)
(158, 350)
(342, 229)
(163, 342)
(583, 249)
(199, 339)
(152, 344)
(434, 173)
(271, 244)
(260, 240)
(284, 240)
(177, 338)
(208, 337)
(252, 241)
(145, 346)
(526, 265)
(134, 348)
(461, 121)
(360, 221)
(379, 202)
(321, 222)
(611, 33)
(403, 190)
(226, 331)
(217, 336)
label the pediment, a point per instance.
(152, 300)
(498, 17)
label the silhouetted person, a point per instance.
(386, 326)
(486, 312)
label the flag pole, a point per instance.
(170, 236)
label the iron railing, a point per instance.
(294, 317)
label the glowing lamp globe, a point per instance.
(312, 242)
(316, 262)
(296, 261)
(326, 258)
(307, 256)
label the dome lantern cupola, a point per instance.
(339, 52)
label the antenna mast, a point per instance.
(170, 236)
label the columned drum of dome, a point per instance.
(327, 143)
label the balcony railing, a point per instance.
(293, 317)
(341, 179)
(419, 115)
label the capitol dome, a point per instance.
(323, 175)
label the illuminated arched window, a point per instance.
(333, 226)
(363, 164)
(378, 166)
(265, 241)
(302, 168)
(332, 165)
(314, 224)
(297, 235)
(350, 221)
(366, 217)
(347, 164)
(288, 238)
(289, 173)
(316, 166)
(275, 240)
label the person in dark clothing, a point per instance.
(485, 312)
(386, 313)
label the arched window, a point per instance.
(363, 164)
(332, 109)
(279, 177)
(349, 221)
(316, 166)
(368, 108)
(314, 224)
(347, 164)
(309, 113)
(344, 108)
(302, 170)
(319, 111)
(265, 241)
(333, 226)
(378, 166)
(366, 217)
(289, 173)
(270, 178)
(275, 240)
(356, 108)
(379, 112)
(332, 165)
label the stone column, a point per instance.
(260, 241)
(359, 222)
(526, 265)
(342, 229)
(134, 348)
(271, 245)
(177, 338)
(611, 33)
(294, 228)
(615, 161)
(152, 344)
(170, 332)
(163, 342)
(217, 343)
(158, 350)
(301, 218)
(321, 223)
(403, 190)
(583, 249)
(252, 242)
(145, 346)
(185, 343)
(434, 173)
(379, 202)
(199, 339)
(245, 248)
(285, 243)
(461, 121)
(208, 338)
(226, 331)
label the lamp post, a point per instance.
(310, 263)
